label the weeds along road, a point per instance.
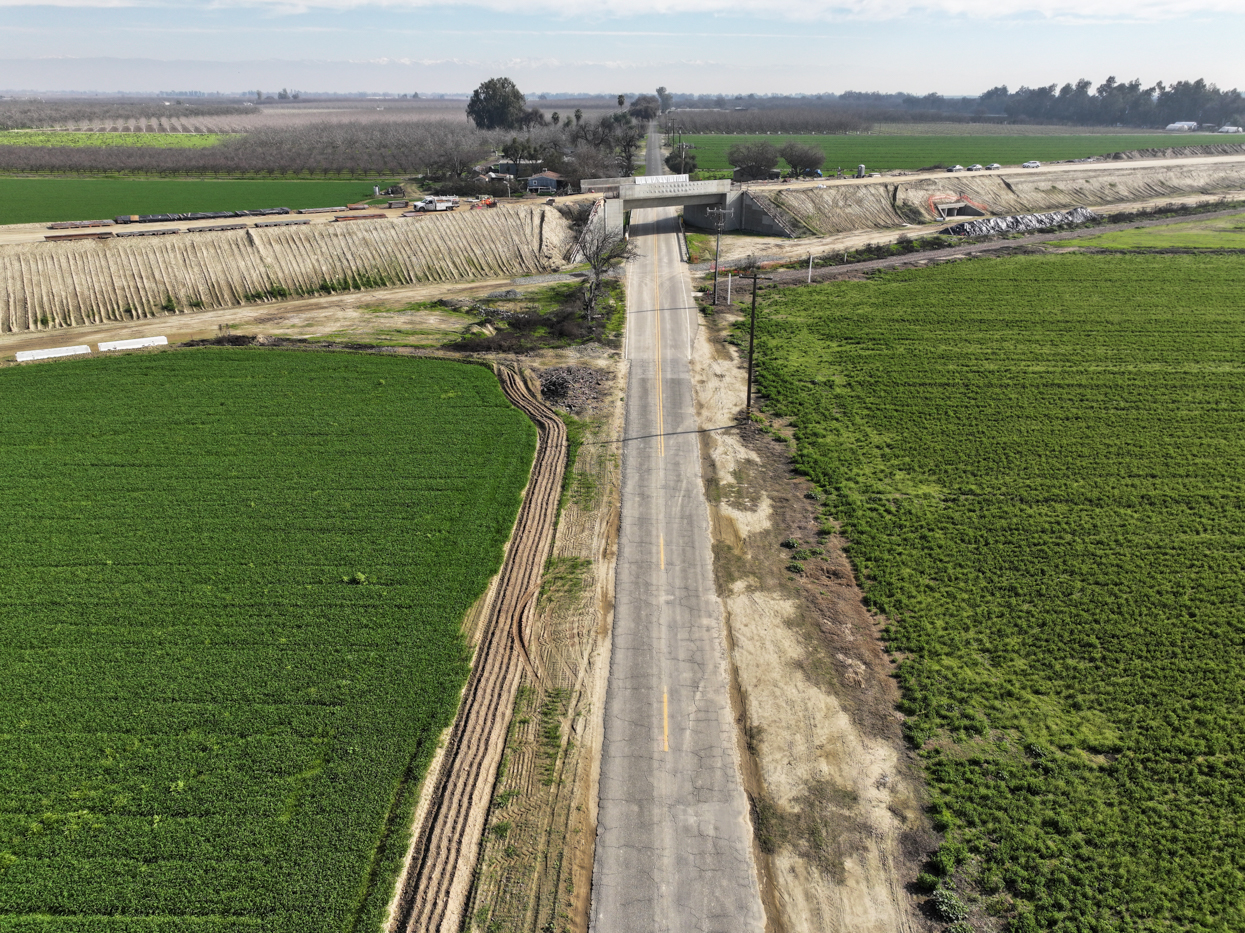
(674, 841)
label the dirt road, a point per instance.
(455, 804)
(366, 316)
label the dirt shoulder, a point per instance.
(535, 867)
(837, 796)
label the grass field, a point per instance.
(39, 200)
(111, 140)
(210, 721)
(1037, 465)
(883, 153)
(1221, 233)
(1022, 129)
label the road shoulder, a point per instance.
(836, 795)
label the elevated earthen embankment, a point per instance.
(839, 208)
(45, 286)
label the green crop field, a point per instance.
(203, 725)
(883, 153)
(1037, 465)
(1220, 233)
(45, 200)
(1038, 129)
(111, 140)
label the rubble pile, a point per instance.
(988, 226)
(576, 389)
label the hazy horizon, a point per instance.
(952, 47)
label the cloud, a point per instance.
(1072, 11)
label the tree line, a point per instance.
(1076, 103)
(1115, 102)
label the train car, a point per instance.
(164, 232)
(94, 235)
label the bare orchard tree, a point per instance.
(602, 249)
(628, 139)
(587, 162)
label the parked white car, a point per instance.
(956, 168)
(975, 167)
(993, 167)
(1033, 164)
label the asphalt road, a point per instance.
(674, 840)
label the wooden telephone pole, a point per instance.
(719, 215)
(753, 273)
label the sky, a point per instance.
(953, 47)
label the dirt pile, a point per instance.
(840, 208)
(575, 389)
(45, 286)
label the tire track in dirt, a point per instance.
(437, 881)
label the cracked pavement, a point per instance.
(674, 839)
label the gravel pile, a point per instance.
(508, 294)
(497, 314)
(577, 389)
(468, 306)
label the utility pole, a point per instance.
(719, 215)
(754, 274)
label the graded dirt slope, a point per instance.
(839, 207)
(53, 285)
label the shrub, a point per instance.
(948, 906)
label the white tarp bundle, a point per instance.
(25, 356)
(1021, 222)
(134, 344)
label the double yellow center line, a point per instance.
(661, 451)
(661, 418)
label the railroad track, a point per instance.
(446, 845)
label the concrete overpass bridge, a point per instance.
(695, 197)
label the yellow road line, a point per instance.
(665, 721)
(661, 418)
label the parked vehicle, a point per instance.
(975, 167)
(436, 204)
(1033, 164)
(993, 167)
(956, 168)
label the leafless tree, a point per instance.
(602, 249)
(587, 162)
